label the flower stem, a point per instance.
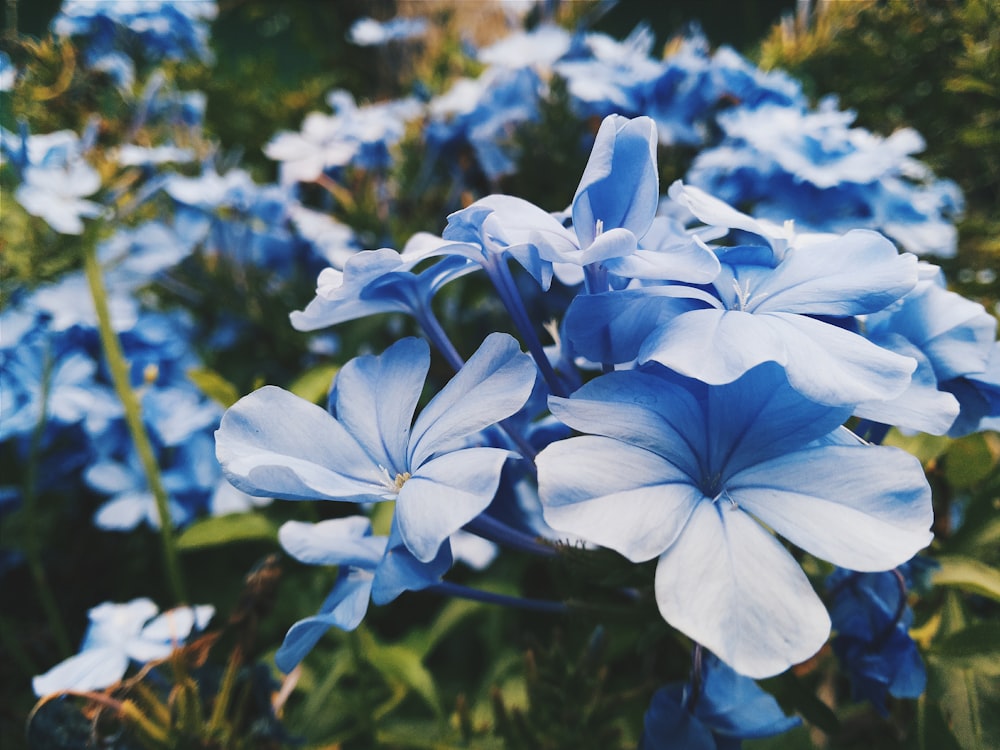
(447, 588)
(119, 370)
(32, 546)
(496, 531)
(503, 280)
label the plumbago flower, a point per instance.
(369, 567)
(789, 302)
(118, 634)
(716, 712)
(872, 622)
(707, 468)
(364, 449)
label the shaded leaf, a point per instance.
(969, 575)
(236, 527)
(314, 384)
(213, 385)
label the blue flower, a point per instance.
(370, 567)
(364, 449)
(56, 194)
(812, 166)
(118, 634)
(689, 473)
(379, 281)
(872, 620)
(722, 710)
(951, 338)
(790, 305)
(367, 32)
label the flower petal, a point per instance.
(445, 494)
(729, 585)
(275, 443)
(344, 608)
(338, 541)
(614, 494)
(95, 669)
(861, 507)
(492, 385)
(374, 399)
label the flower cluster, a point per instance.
(717, 379)
(699, 388)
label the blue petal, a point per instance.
(861, 507)
(492, 385)
(274, 443)
(735, 706)
(619, 187)
(729, 585)
(612, 326)
(614, 494)
(339, 541)
(860, 272)
(668, 725)
(95, 669)
(374, 399)
(642, 410)
(400, 571)
(822, 361)
(344, 608)
(444, 494)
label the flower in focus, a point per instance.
(699, 476)
(364, 449)
(723, 710)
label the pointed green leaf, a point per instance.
(969, 575)
(236, 527)
(213, 385)
(314, 385)
(975, 647)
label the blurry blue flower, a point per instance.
(538, 48)
(484, 113)
(56, 194)
(706, 466)
(358, 136)
(787, 162)
(605, 75)
(871, 620)
(55, 378)
(364, 449)
(8, 73)
(375, 568)
(118, 634)
(367, 32)
(723, 710)
(108, 30)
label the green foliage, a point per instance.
(933, 65)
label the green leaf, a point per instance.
(235, 527)
(314, 384)
(400, 665)
(925, 447)
(975, 647)
(213, 385)
(932, 729)
(969, 461)
(969, 575)
(969, 702)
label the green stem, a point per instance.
(119, 370)
(32, 542)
